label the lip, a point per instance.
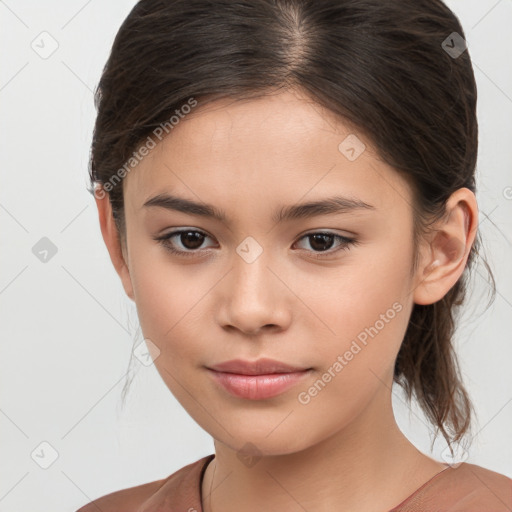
(263, 366)
(257, 380)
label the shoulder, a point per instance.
(127, 500)
(185, 482)
(464, 488)
(476, 486)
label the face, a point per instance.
(322, 290)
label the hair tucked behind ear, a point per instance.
(427, 366)
(380, 66)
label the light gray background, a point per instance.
(67, 327)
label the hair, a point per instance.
(380, 67)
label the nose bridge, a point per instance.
(250, 272)
(251, 294)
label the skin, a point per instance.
(343, 450)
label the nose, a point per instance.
(253, 298)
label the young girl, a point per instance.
(286, 189)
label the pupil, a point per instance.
(322, 239)
(191, 236)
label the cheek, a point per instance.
(167, 301)
(169, 311)
(367, 310)
(358, 362)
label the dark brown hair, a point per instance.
(382, 67)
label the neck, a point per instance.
(366, 465)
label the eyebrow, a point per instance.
(329, 206)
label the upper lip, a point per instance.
(259, 367)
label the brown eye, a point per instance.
(322, 243)
(189, 241)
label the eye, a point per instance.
(192, 239)
(323, 241)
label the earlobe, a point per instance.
(112, 241)
(448, 249)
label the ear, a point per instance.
(116, 249)
(446, 250)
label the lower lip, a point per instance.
(258, 387)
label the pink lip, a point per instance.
(262, 366)
(257, 380)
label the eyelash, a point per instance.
(345, 243)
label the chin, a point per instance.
(258, 443)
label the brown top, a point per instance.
(465, 488)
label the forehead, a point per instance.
(281, 149)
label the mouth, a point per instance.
(257, 380)
(262, 366)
